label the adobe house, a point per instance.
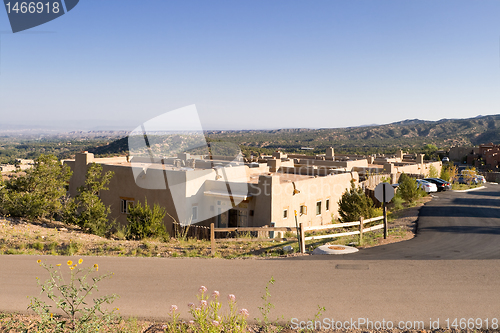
(202, 191)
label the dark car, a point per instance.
(441, 184)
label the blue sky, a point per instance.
(253, 64)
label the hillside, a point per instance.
(410, 135)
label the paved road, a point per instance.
(403, 289)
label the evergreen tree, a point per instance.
(408, 188)
(354, 204)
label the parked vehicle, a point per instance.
(481, 179)
(426, 186)
(441, 184)
(445, 159)
(466, 180)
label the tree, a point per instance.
(433, 172)
(145, 222)
(38, 193)
(408, 188)
(469, 174)
(429, 151)
(354, 203)
(449, 172)
(87, 210)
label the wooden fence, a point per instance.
(302, 230)
(191, 231)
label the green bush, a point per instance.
(145, 222)
(354, 204)
(38, 193)
(397, 201)
(408, 188)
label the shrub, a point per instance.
(397, 201)
(408, 188)
(145, 222)
(354, 204)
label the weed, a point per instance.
(71, 300)
(191, 253)
(37, 246)
(72, 248)
(267, 306)
(206, 317)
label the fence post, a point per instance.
(302, 242)
(385, 221)
(361, 230)
(212, 239)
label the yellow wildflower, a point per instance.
(58, 265)
(96, 266)
(69, 263)
(72, 267)
(80, 261)
(38, 261)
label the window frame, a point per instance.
(318, 207)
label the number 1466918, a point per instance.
(471, 323)
(33, 7)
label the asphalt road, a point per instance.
(386, 284)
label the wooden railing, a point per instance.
(302, 230)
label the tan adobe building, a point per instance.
(196, 189)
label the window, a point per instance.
(327, 205)
(303, 209)
(285, 213)
(125, 205)
(318, 208)
(194, 213)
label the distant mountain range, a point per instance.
(410, 134)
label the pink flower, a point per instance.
(202, 289)
(191, 305)
(215, 323)
(231, 298)
(244, 313)
(173, 308)
(191, 322)
(164, 327)
(215, 294)
(197, 309)
(203, 303)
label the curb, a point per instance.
(471, 189)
